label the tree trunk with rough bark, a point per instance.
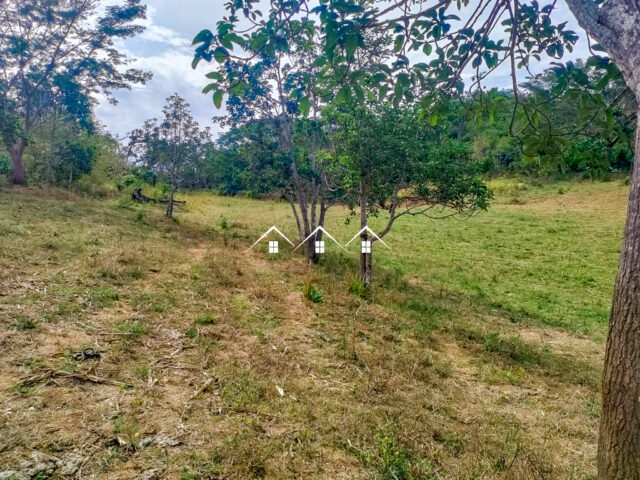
(366, 259)
(17, 164)
(616, 25)
(619, 442)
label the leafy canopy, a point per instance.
(426, 46)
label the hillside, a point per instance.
(478, 354)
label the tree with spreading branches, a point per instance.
(49, 48)
(173, 147)
(389, 159)
(271, 84)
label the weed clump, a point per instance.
(393, 461)
(134, 329)
(205, 319)
(242, 391)
(358, 288)
(311, 293)
(23, 323)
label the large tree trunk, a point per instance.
(17, 164)
(616, 25)
(619, 443)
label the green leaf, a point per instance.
(305, 106)
(203, 36)
(259, 41)
(433, 119)
(535, 118)
(427, 49)
(235, 38)
(350, 45)
(238, 88)
(209, 87)
(217, 98)
(383, 92)
(344, 94)
(399, 42)
(220, 54)
(358, 91)
(215, 76)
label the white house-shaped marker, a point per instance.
(366, 244)
(319, 245)
(273, 245)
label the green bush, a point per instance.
(5, 163)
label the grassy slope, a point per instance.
(477, 357)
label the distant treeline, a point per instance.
(70, 150)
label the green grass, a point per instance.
(536, 262)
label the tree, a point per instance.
(272, 80)
(391, 160)
(477, 45)
(616, 25)
(49, 49)
(267, 96)
(172, 148)
(583, 118)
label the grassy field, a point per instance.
(477, 356)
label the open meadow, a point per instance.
(477, 354)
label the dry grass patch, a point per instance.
(237, 372)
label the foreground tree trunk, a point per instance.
(619, 443)
(616, 25)
(17, 164)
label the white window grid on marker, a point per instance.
(366, 246)
(273, 246)
(320, 246)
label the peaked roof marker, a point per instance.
(367, 229)
(313, 233)
(267, 233)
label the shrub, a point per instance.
(4, 163)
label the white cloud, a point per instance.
(158, 33)
(166, 52)
(172, 72)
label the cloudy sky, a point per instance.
(165, 49)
